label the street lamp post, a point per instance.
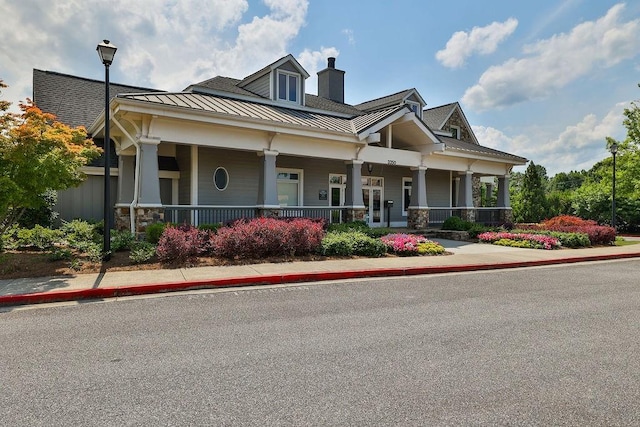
(106, 51)
(614, 151)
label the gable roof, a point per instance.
(437, 117)
(76, 101)
(273, 66)
(469, 147)
(389, 100)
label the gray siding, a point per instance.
(260, 86)
(243, 168)
(86, 201)
(183, 157)
(316, 176)
(438, 188)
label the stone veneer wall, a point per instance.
(417, 219)
(475, 191)
(456, 120)
(354, 215)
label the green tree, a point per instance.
(37, 153)
(531, 204)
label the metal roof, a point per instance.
(259, 111)
(458, 145)
(384, 101)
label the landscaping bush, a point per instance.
(38, 237)
(566, 221)
(349, 226)
(210, 227)
(153, 232)
(567, 240)
(141, 252)
(179, 244)
(347, 243)
(264, 237)
(456, 223)
(409, 244)
(121, 240)
(79, 233)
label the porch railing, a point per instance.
(488, 216)
(197, 215)
(439, 215)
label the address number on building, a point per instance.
(391, 162)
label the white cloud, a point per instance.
(576, 147)
(312, 61)
(164, 44)
(557, 61)
(481, 40)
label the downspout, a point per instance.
(136, 185)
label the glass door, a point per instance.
(372, 196)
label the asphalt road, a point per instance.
(537, 346)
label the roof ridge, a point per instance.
(96, 80)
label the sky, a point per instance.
(546, 80)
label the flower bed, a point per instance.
(411, 244)
(535, 241)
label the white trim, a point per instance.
(287, 75)
(194, 182)
(215, 184)
(458, 130)
(299, 182)
(418, 107)
(405, 180)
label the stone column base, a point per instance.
(350, 215)
(506, 215)
(468, 214)
(417, 219)
(122, 219)
(146, 217)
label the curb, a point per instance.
(153, 288)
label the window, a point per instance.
(415, 107)
(455, 131)
(221, 179)
(288, 86)
(406, 195)
(290, 187)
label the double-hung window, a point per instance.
(288, 86)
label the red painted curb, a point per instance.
(101, 293)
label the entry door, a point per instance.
(372, 195)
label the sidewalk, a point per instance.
(465, 257)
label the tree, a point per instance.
(532, 203)
(37, 153)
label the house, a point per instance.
(228, 148)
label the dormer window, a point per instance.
(455, 132)
(415, 107)
(288, 86)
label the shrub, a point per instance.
(566, 221)
(409, 244)
(210, 227)
(264, 237)
(38, 237)
(567, 240)
(59, 254)
(347, 243)
(93, 252)
(121, 240)
(456, 223)
(78, 233)
(141, 252)
(154, 231)
(430, 248)
(349, 226)
(179, 244)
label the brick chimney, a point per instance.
(331, 82)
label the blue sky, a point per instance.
(546, 80)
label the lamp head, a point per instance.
(106, 51)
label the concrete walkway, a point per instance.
(464, 256)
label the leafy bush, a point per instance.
(514, 243)
(349, 226)
(93, 252)
(154, 231)
(121, 240)
(141, 252)
(475, 229)
(456, 223)
(79, 233)
(264, 237)
(378, 232)
(39, 237)
(179, 244)
(346, 243)
(59, 254)
(567, 240)
(409, 244)
(43, 215)
(566, 221)
(430, 248)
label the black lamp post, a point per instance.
(614, 151)
(106, 51)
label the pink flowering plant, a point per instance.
(410, 244)
(523, 240)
